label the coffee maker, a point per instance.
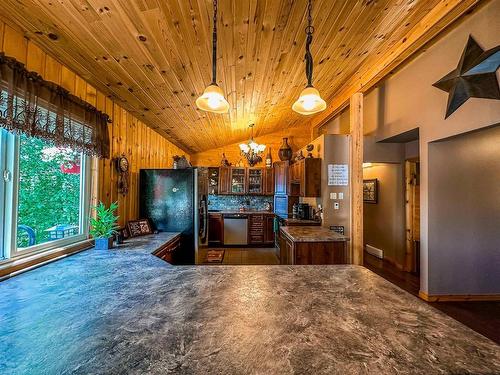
(304, 211)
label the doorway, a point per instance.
(412, 216)
(392, 220)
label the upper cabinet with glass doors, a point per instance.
(238, 180)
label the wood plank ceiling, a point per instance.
(153, 56)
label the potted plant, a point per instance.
(103, 226)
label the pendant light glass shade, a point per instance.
(309, 102)
(212, 100)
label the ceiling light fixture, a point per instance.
(252, 150)
(212, 99)
(309, 101)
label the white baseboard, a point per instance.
(374, 251)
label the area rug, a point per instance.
(214, 256)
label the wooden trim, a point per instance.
(356, 151)
(19, 266)
(458, 297)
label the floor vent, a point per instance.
(374, 251)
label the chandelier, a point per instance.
(252, 150)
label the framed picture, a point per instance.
(370, 191)
(139, 227)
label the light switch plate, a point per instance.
(336, 205)
(341, 195)
(333, 195)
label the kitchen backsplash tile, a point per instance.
(234, 202)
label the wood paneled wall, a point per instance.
(143, 147)
(298, 137)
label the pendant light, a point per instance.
(310, 101)
(212, 99)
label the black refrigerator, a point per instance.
(174, 201)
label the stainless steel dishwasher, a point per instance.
(235, 229)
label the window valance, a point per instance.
(39, 108)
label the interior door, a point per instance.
(412, 208)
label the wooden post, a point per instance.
(356, 125)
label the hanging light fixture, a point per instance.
(252, 150)
(212, 99)
(310, 101)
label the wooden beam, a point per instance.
(356, 124)
(432, 24)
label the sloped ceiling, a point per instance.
(153, 56)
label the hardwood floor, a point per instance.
(243, 256)
(482, 317)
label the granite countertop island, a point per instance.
(127, 311)
(312, 234)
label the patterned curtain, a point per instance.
(42, 109)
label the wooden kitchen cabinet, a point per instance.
(286, 250)
(255, 181)
(268, 187)
(305, 178)
(256, 229)
(213, 180)
(281, 177)
(224, 180)
(269, 229)
(312, 252)
(260, 229)
(215, 229)
(169, 251)
(320, 253)
(238, 181)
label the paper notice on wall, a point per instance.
(338, 175)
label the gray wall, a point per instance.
(464, 214)
(407, 100)
(384, 222)
(332, 149)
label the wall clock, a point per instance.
(122, 166)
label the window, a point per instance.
(44, 195)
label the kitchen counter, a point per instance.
(249, 212)
(146, 244)
(312, 234)
(127, 311)
(298, 222)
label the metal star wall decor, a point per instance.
(475, 76)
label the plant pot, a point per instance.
(285, 151)
(103, 243)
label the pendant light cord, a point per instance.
(308, 56)
(214, 47)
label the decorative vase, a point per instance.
(103, 243)
(285, 151)
(269, 159)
